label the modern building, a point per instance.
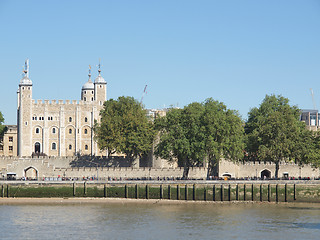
(59, 128)
(311, 118)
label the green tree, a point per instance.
(181, 136)
(224, 134)
(199, 131)
(2, 127)
(274, 133)
(124, 128)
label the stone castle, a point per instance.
(49, 136)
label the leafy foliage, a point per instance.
(198, 131)
(124, 128)
(274, 133)
(2, 127)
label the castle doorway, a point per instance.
(265, 174)
(37, 147)
(31, 173)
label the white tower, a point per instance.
(87, 92)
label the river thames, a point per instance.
(158, 220)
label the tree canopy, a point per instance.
(2, 127)
(124, 128)
(200, 131)
(275, 133)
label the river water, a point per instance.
(160, 221)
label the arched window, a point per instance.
(92, 92)
(70, 131)
(85, 92)
(54, 146)
(86, 119)
(86, 147)
(53, 130)
(92, 99)
(70, 147)
(85, 131)
(37, 130)
(70, 119)
(85, 99)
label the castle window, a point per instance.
(92, 99)
(54, 146)
(10, 148)
(10, 139)
(85, 99)
(85, 92)
(1, 147)
(37, 130)
(70, 119)
(86, 119)
(86, 147)
(48, 118)
(70, 147)
(53, 130)
(26, 123)
(85, 131)
(100, 86)
(51, 118)
(92, 92)
(22, 88)
(32, 118)
(70, 131)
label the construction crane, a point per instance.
(144, 92)
(313, 101)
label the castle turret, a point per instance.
(25, 114)
(87, 92)
(100, 89)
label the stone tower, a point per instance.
(87, 92)
(25, 114)
(100, 89)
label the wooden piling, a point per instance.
(178, 192)
(186, 192)
(126, 191)
(214, 193)
(74, 189)
(294, 192)
(169, 191)
(85, 188)
(147, 191)
(161, 191)
(194, 192)
(269, 193)
(277, 193)
(286, 192)
(222, 193)
(105, 191)
(244, 192)
(252, 192)
(237, 192)
(229, 192)
(261, 199)
(137, 191)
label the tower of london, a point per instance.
(59, 128)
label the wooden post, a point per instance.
(286, 192)
(205, 193)
(105, 190)
(294, 192)
(222, 193)
(161, 191)
(169, 191)
(2, 191)
(186, 192)
(137, 191)
(7, 190)
(244, 192)
(229, 193)
(277, 193)
(74, 189)
(269, 193)
(178, 192)
(194, 192)
(214, 193)
(252, 192)
(237, 192)
(126, 191)
(85, 188)
(261, 193)
(147, 191)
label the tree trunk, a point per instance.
(277, 169)
(213, 168)
(186, 167)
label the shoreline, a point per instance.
(18, 201)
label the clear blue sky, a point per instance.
(185, 51)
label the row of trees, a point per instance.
(208, 131)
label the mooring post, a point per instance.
(85, 188)
(244, 192)
(7, 190)
(194, 192)
(105, 190)
(126, 191)
(252, 192)
(178, 192)
(269, 193)
(277, 193)
(222, 193)
(161, 191)
(74, 189)
(286, 192)
(137, 191)
(229, 192)
(169, 191)
(147, 191)
(205, 193)
(237, 192)
(294, 192)
(186, 192)
(214, 192)
(261, 193)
